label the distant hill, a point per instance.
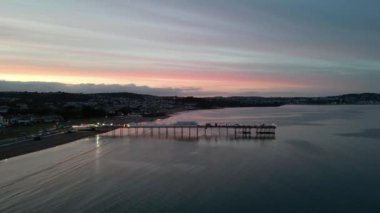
(77, 105)
(362, 98)
(63, 97)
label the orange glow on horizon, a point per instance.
(227, 82)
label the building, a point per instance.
(4, 109)
(2, 121)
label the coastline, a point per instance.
(45, 143)
(26, 147)
(30, 146)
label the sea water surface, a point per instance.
(323, 159)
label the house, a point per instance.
(2, 121)
(49, 118)
(23, 106)
(22, 120)
(4, 109)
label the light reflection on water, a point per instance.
(322, 160)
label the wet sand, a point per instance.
(46, 142)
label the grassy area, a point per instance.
(19, 131)
(87, 121)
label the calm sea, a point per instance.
(323, 159)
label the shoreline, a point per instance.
(30, 146)
(26, 147)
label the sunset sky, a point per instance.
(194, 47)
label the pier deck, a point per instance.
(191, 131)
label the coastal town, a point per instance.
(28, 109)
(31, 121)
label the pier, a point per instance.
(178, 131)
